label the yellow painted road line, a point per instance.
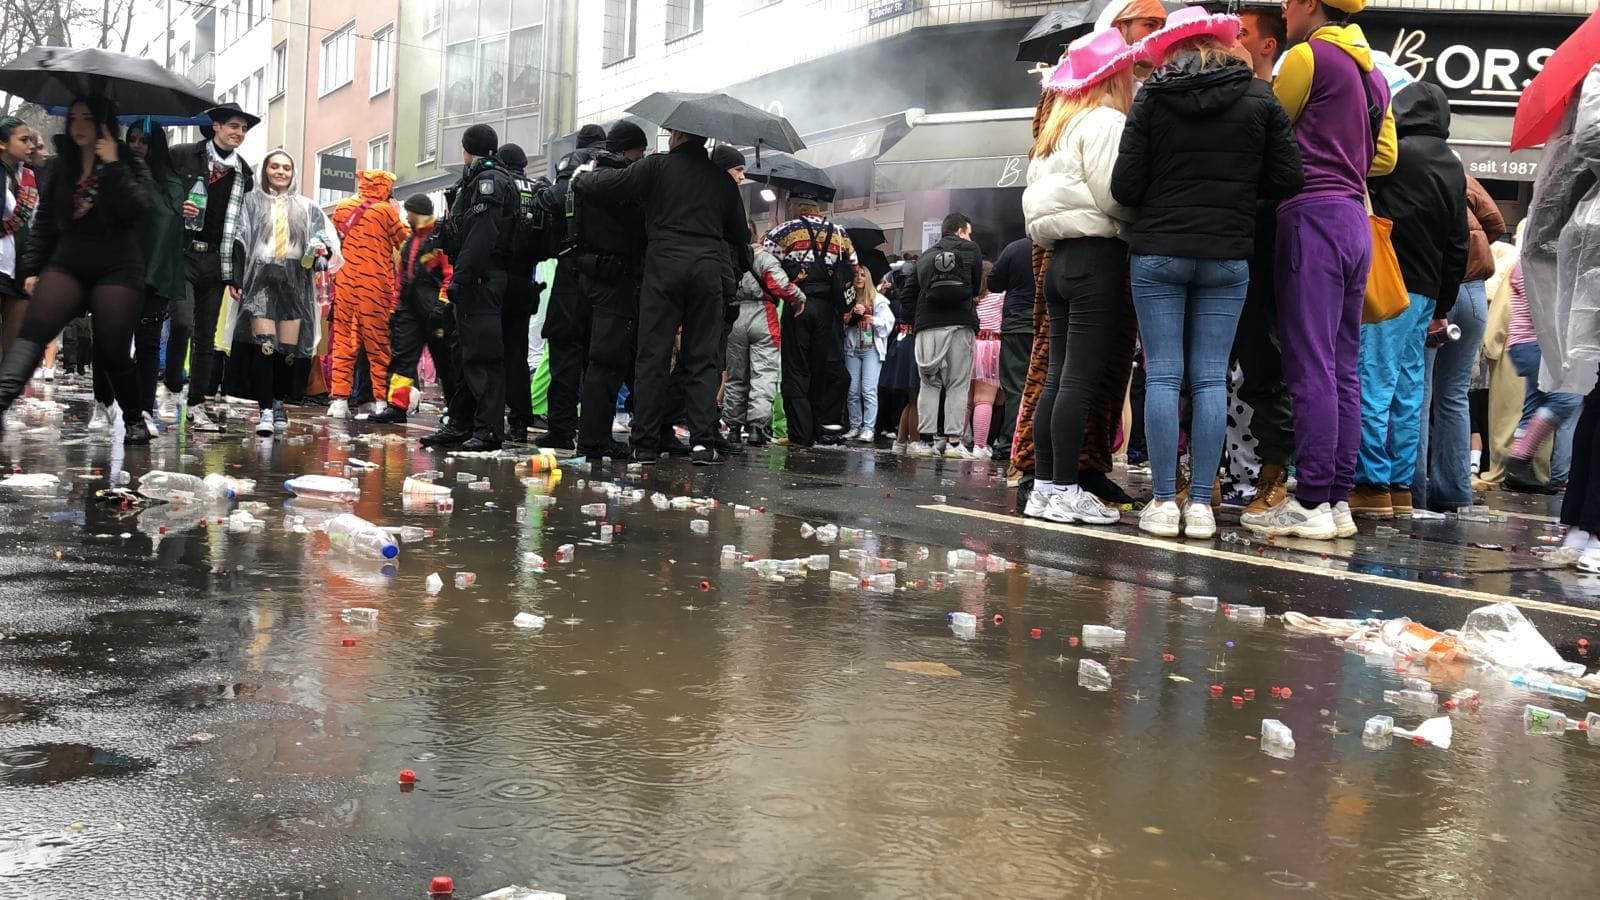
(1119, 536)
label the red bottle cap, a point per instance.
(998, 618)
(705, 585)
(1286, 693)
(1238, 700)
(1450, 704)
(442, 885)
(1418, 740)
(1168, 657)
(887, 495)
(408, 777)
(1036, 633)
(348, 642)
(761, 509)
(162, 530)
(1277, 691)
(1072, 641)
(1583, 642)
(1216, 689)
(1249, 693)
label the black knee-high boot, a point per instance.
(15, 371)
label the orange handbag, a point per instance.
(1386, 288)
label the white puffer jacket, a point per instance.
(1069, 191)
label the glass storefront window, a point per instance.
(527, 61)
(463, 20)
(491, 74)
(458, 79)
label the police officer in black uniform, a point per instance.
(522, 296)
(477, 236)
(694, 221)
(566, 318)
(606, 246)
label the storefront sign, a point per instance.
(1498, 163)
(1481, 61)
(888, 9)
(338, 173)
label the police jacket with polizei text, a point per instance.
(967, 261)
(690, 204)
(608, 227)
(478, 231)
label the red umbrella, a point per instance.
(1546, 98)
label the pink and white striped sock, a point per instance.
(1539, 429)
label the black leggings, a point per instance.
(146, 356)
(1085, 290)
(269, 374)
(58, 298)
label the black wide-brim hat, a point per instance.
(225, 111)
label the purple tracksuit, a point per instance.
(1324, 250)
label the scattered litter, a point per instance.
(31, 482)
(179, 487)
(1092, 675)
(434, 583)
(1550, 688)
(1200, 604)
(931, 669)
(1436, 731)
(1426, 514)
(593, 510)
(534, 561)
(1253, 615)
(528, 620)
(1500, 634)
(1417, 701)
(241, 521)
(1538, 720)
(565, 552)
(1277, 740)
(700, 526)
(324, 488)
(359, 615)
(354, 535)
(1103, 636)
(465, 580)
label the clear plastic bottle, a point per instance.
(1417, 639)
(843, 581)
(411, 534)
(352, 534)
(1538, 720)
(1200, 604)
(593, 510)
(327, 488)
(1103, 635)
(1093, 675)
(1417, 700)
(961, 559)
(1591, 726)
(1252, 615)
(359, 615)
(1547, 687)
(565, 553)
(879, 584)
(818, 562)
(962, 619)
(178, 487)
(1276, 739)
(1462, 700)
(700, 526)
(197, 196)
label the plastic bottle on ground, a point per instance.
(730, 556)
(1378, 732)
(1538, 720)
(534, 561)
(528, 620)
(828, 533)
(1093, 675)
(1591, 725)
(466, 580)
(356, 536)
(434, 584)
(700, 526)
(962, 618)
(1462, 700)
(1540, 685)
(1276, 739)
(359, 615)
(818, 562)
(607, 533)
(961, 559)
(806, 531)
(1417, 700)
(879, 584)
(1415, 638)
(466, 477)
(178, 487)
(565, 553)
(411, 534)
(843, 581)
(1200, 604)
(593, 510)
(1251, 615)
(325, 488)
(1102, 635)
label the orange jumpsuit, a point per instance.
(371, 232)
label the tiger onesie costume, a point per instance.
(371, 233)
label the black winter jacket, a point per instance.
(111, 227)
(1426, 197)
(1200, 148)
(968, 263)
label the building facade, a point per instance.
(916, 107)
(286, 76)
(241, 65)
(418, 164)
(349, 94)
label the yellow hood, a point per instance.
(1350, 39)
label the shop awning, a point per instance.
(1484, 144)
(986, 149)
(837, 151)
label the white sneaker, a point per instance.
(280, 419)
(918, 448)
(983, 453)
(414, 405)
(622, 423)
(1075, 504)
(1037, 503)
(865, 437)
(897, 448)
(376, 406)
(100, 419)
(1344, 524)
(166, 404)
(199, 420)
(1199, 521)
(264, 424)
(150, 425)
(1160, 518)
(50, 374)
(38, 374)
(1589, 562)
(851, 434)
(955, 451)
(339, 409)
(1290, 519)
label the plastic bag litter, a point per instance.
(1500, 634)
(528, 620)
(1436, 731)
(32, 481)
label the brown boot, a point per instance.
(1400, 499)
(1369, 501)
(1216, 493)
(1270, 491)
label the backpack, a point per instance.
(948, 284)
(536, 231)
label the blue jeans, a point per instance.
(1188, 311)
(863, 365)
(1525, 360)
(1392, 367)
(1444, 452)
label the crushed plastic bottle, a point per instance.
(528, 620)
(818, 562)
(1102, 635)
(1249, 615)
(323, 488)
(659, 500)
(354, 535)
(1277, 740)
(843, 581)
(1538, 720)
(434, 584)
(465, 580)
(806, 531)
(1539, 685)
(1462, 700)
(1422, 701)
(1416, 639)
(1436, 731)
(1200, 604)
(565, 553)
(241, 521)
(961, 559)
(700, 526)
(879, 584)
(179, 487)
(359, 615)
(827, 534)
(1093, 675)
(593, 510)
(534, 561)
(1377, 733)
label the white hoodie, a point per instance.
(1069, 191)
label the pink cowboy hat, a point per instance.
(1191, 21)
(1090, 60)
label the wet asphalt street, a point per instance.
(183, 713)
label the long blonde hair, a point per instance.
(1115, 91)
(1213, 52)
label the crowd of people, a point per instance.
(1231, 214)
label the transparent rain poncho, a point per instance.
(1561, 247)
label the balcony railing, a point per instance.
(203, 70)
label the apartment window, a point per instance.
(338, 60)
(430, 127)
(259, 83)
(621, 27)
(432, 15)
(280, 69)
(327, 197)
(382, 60)
(684, 17)
(378, 154)
(526, 67)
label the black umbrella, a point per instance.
(1049, 37)
(863, 233)
(55, 76)
(791, 173)
(719, 116)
